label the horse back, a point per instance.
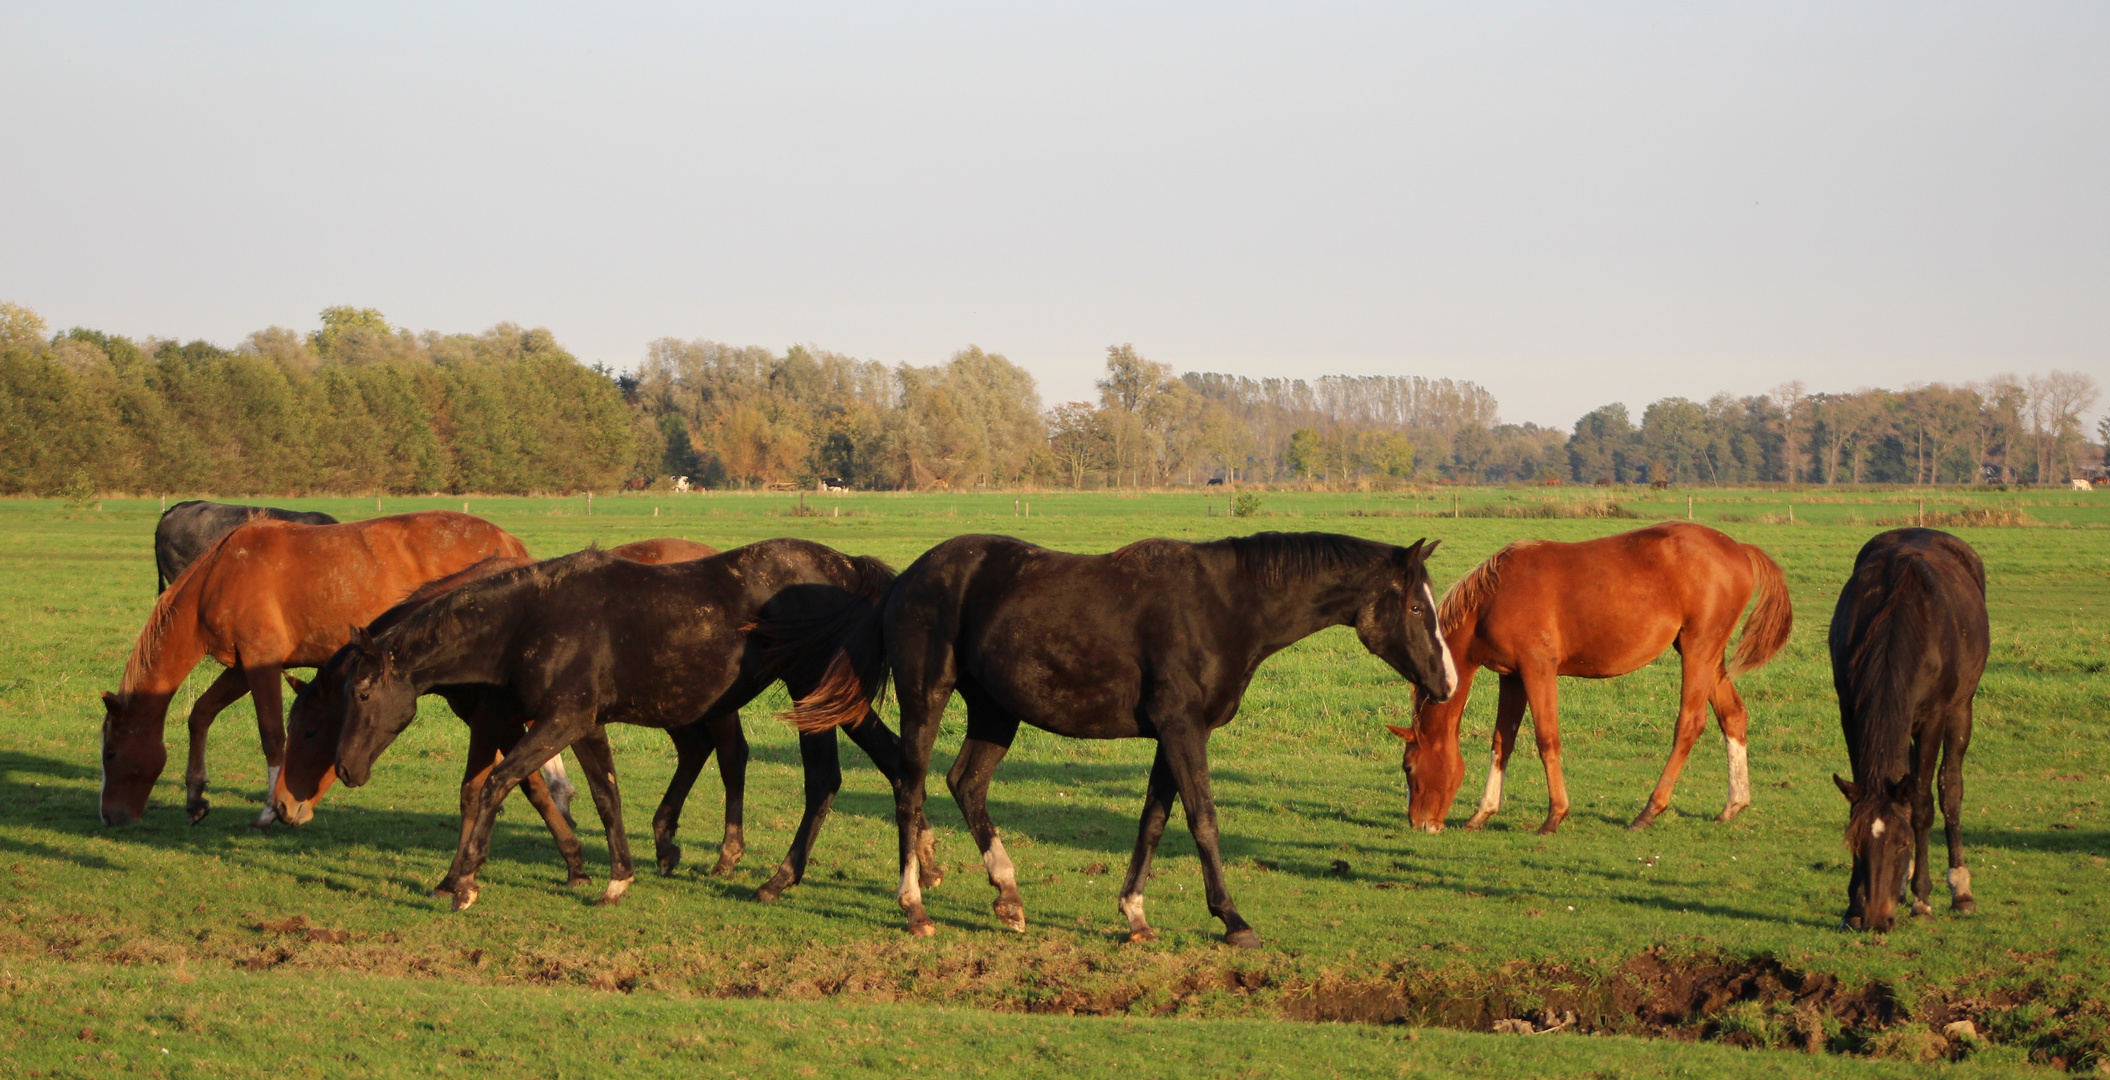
(1909, 637)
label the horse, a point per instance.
(1157, 640)
(589, 639)
(1908, 643)
(1597, 609)
(190, 528)
(270, 595)
(317, 718)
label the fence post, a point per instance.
(1688, 508)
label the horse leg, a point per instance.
(824, 777)
(1157, 808)
(969, 782)
(1543, 689)
(558, 727)
(731, 742)
(1955, 740)
(1509, 711)
(1734, 719)
(692, 748)
(224, 691)
(1186, 748)
(921, 708)
(597, 759)
(1702, 668)
(264, 687)
(495, 726)
(879, 743)
(1922, 827)
(559, 787)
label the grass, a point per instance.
(1364, 918)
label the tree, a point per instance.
(1306, 450)
(1077, 439)
(1601, 447)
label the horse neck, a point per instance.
(168, 648)
(432, 648)
(1298, 609)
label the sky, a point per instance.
(1568, 204)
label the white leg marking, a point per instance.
(1131, 905)
(270, 784)
(1001, 873)
(560, 786)
(1491, 799)
(1960, 882)
(911, 887)
(616, 889)
(1739, 773)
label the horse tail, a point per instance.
(1772, 618)
(852, 639)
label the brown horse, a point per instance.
(270, 595)
(1596, 610)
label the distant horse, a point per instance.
(495, 725)
(1908, 643)
(1597, 609)
(270, 595)
(188, 529)
(590, 639)
(1157, 640)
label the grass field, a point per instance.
(156, 935)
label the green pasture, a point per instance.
(326, 931)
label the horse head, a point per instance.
(1398, 623)
(133, 755)
(379, 702)
(1879, 833)
(313, 723)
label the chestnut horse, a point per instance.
(270, 595)
(1597, 609)
(1909, 641)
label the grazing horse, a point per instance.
(1908, 643)
(589, 639)
(1596, 610)
(270, 595)
(1157, 640)
(495, 726)
(190, 529)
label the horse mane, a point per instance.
(1882, 671)
(1470, 593)
(1274, 559)
(440, 613)
(147, 649)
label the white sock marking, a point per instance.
(270, 814)
(1960, 882)
(1001, 872)
(911, 888)
(1739, 773)
(616, 889)
(1491, 798)
(1131, 905)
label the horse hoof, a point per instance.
(1473, 823)
(444, 888)
(614, 893)
(1013, 916)
(775, 886)
(577, 880)
(1921, 909)
(1243, 939)
(463, 898)
(1432, 828)
(1138, 937)
(725, 866)
(1647, 818)
(931, 879)
(1964, 906)
(1728, 815)
(925, 928)
(197, 811)
(1549, 828)
(669, 858)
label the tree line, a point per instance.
(360, 405)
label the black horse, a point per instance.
(592, 639)
(189, 528)
(1157, 640)
(1908, 644)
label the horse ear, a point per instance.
(1901, 790)
(113, 703)
(365, 642)
(1428, 548)
(1405, 734)
(1848, 788)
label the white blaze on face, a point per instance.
(1001, 873)
(1450, 667)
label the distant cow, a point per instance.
(834, 483)
(1216, 481)
(2083, 485)
(681, 483)
(188, 528)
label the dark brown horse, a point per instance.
(1597, 609)
(1908, 642)
(269, 596)
(317, 717)
(1157, 640)
(590, 639)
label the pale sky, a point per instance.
(1569, 204)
